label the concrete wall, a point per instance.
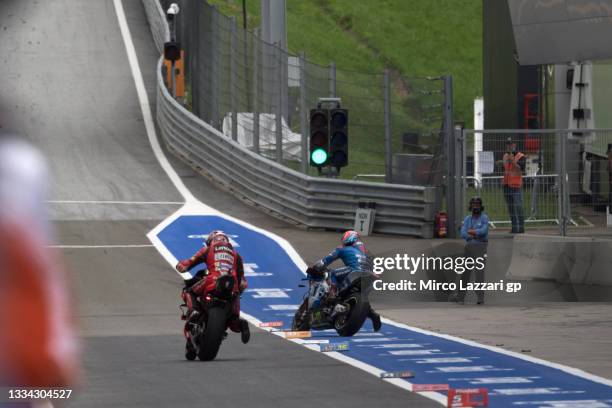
(562, 259)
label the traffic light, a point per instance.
(338, 150)
(319, 137)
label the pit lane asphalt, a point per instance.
(67, 87)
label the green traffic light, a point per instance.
(318, 156)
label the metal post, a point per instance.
(563, 191)
(215, 81)
(172, 63)
(173, 76)
(387, 113)
(303, 114)
(196, 58)
(256, 57)
(463, 173)
(332, 79)
(559, 184)
(459, 173)
(451, 140)
(232, 85)
(245, 51)
(279, 105)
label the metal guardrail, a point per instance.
(157, 22)
(310, 201)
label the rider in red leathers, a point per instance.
(220, 258)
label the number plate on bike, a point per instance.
(325, 348)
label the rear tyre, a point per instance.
(348, 324)
(301, 319)
(210, 340)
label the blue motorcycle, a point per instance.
(338, 301)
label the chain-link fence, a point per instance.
(563, 179)
(261, 95)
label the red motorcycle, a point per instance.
(206, 327)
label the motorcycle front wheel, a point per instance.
(210, 340)
(347, 324)
(301, 319)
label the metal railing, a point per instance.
(284, 192)
(566, 175)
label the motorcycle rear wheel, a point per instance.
(210, 340)
(348, 325)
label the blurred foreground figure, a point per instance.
(37, 345)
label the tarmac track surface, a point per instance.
(68, 88)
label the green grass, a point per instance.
(415, 38)
(418, 37)
(424, 38)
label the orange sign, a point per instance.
(179, 70)
(297, 334)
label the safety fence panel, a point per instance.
(566, 176)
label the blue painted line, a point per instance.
(273, 295)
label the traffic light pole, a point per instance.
(321, 101)
(303, 112)
(332, 79)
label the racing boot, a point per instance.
(375, 317)
(245, 332)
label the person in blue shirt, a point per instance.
(354, 255)
(475, 232)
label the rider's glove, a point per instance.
(243, 285)
(182, 266)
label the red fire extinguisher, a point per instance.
(441, 222)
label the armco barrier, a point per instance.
(310, 201)
(157, 22)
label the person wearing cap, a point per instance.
(514, 163)
(475, 232)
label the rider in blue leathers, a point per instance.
(354, 255)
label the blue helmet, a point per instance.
(350, 237)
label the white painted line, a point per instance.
(115, 202)
(195, 207)
(100, 246)
(570, 370)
